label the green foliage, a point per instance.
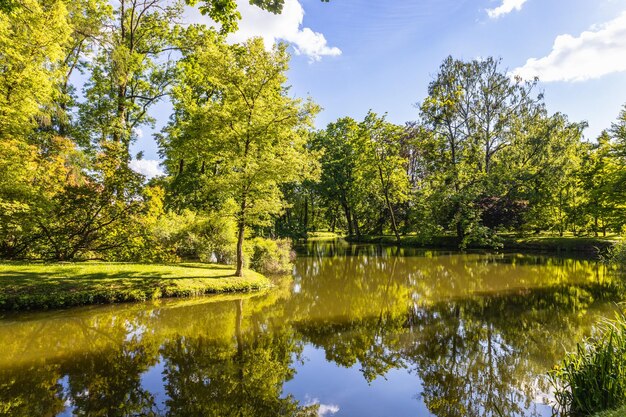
(593, 378)
(190, 235)
(617, 254)
(364, 179)
(485, 158)
(33, 35)
(235, 120)
(271, 256)
(131, 72)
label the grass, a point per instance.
(592, 379)
(323, 235)
(25, 286)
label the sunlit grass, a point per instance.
(323, 235)
(40, 285)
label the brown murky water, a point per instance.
(356, 331)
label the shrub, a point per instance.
(188, 235)
(271, 256)
(617, 254)
(593, 378)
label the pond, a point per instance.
(356, 331)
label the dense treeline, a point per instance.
(79, 79)
(484, 157)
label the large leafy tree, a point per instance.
(130, 73)
(339, 150)
(33, 38)
(382, 146)
(491, 133)
(235, 120)
(33, 35)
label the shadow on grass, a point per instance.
(37, 277)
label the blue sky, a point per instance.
(354, 55)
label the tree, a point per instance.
(382, 150)
(618, 133)
(478, 116)
(131, 72)
(339, 159)
(534, 178)
(33, 35)
(225, 12)
(234, 118)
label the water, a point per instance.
(357, 331)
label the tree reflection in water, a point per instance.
(477, 332)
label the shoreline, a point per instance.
(589, 246)
(45, 286)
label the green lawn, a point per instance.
(40, 285)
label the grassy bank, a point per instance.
(40, 286)
(569, 244)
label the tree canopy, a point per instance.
(243, 159)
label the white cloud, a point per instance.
(286, 26)
(593, 54)
(506, 7)
(324, 410)
(327, 410)
(148, 167)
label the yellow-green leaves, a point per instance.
(32, 39)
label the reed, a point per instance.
(593, 377)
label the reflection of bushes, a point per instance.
(593, 378)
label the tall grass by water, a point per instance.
(617, 254)
(593, 377)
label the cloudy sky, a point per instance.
(356, 55)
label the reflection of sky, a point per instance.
(339, 391)
(69, 410)
(346, 389)
(344, 392)
(152, 381)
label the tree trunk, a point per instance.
(241, 228)
(357, 231)
(346, 210)
(306, 214)
(459, 231)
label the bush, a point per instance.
(192, 236)
(593, 378)
(271, 256)
(617, 254)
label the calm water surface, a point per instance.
(357, 331)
